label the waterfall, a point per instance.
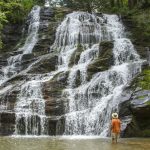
(92, 102)
(52, 3)
(30, 105)
(14, 62)
(30, 109)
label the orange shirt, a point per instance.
(115, 125)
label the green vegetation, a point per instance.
(148, 103)
(137, 11)
(15, 11)
(106, 5)
(104, 60)
(142, 18)
(145, 133)
(142, 80)
(76, 55)
(144, 83)
(142, 97)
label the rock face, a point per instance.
(104, 61)
(45, 62)
(11, 34)
(7, 125)
(135, 108)
(134, 30)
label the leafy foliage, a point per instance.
(105, 5)
(15, 11)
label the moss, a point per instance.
(59, 15)
(138, 23)
(78, 79)
(148, 103)
(142, 97)
(76, 55)
(144, 80)
(104, 60)
(145, 133)
(61, 12)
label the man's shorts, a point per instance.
(115, 135)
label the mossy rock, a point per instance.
(76, 55)
(144, 83)
(137, 25)
(105, 46)
(104, 60)
(46, 65)
(11, 34)
(57, 83)
(145, 133)
(142, 80)
(61, 12)
(52, 93)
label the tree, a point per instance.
(14, 11)
(87, 5)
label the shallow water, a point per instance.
(71, 143)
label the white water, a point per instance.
(31, 108)
(90, 102)
(14, 62)
(30, 105)
(52, 3)
(47, 3)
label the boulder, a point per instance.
(104, 60)
(137, 107)
(7, 125)
(52, 93)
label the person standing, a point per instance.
(115, 127)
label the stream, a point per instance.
(71, 143)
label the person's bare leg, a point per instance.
(113, 140)
(116, 138)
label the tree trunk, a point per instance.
(130, 4)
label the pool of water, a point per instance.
(71, 143)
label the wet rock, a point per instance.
(134, 28)
(137, 106)
(55, 125)
(7, 125)
(76, 55)
(46, 65)
(104, 61)
(11, 34)
(52, 92)
(46, 61)
(46, 13)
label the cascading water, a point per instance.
(14, 62)
(13, 66)
(91, 103)
(30, 109)
(30, 106)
